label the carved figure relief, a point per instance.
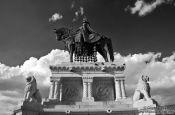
(70, 91)
(102, 91)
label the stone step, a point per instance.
(91, 107)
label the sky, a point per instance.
(141, 31)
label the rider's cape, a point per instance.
(87, 34)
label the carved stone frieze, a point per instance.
(90, 67)
(72, 89)
(103, 89)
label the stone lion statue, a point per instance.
(142, 91)
(32, 94)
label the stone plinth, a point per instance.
(145, 107)
(93, 108)
(97, 82)
(144, 104)
(87, 88)
(29, 108)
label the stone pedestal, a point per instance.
(140, 104)
(145, 107)
(87, 72)
(87, 88)
(29, 108)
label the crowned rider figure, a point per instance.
(88, 34)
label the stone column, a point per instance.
(56, 92)
(123, 88)
(117, 89)
(90, 90)
(87, 89)
(52, 86)
(61, 88)
(57, 89)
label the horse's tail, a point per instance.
(110, 49)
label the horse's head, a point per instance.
(61, 33)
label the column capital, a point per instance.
(116, 78)
(56, 82)
(55, 79)
(119, 75)
(87, 79)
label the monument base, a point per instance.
(123, 106)
(86, 99)
(28, 108)
(143, 104)
(145, 107)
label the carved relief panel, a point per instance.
(103, 89)
(72, 89)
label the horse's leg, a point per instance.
(110, 49)
(71, 53)
(103, 52)
(105, 55)
(71, 56)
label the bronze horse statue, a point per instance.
(69, 36)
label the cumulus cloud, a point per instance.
(55, 17)
(7, 101)
(7, 72)
(161, 72)
(34, 66)
(12, 79)
(143, 8)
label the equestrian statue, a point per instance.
(84, 41)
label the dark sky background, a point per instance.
(25, 30)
